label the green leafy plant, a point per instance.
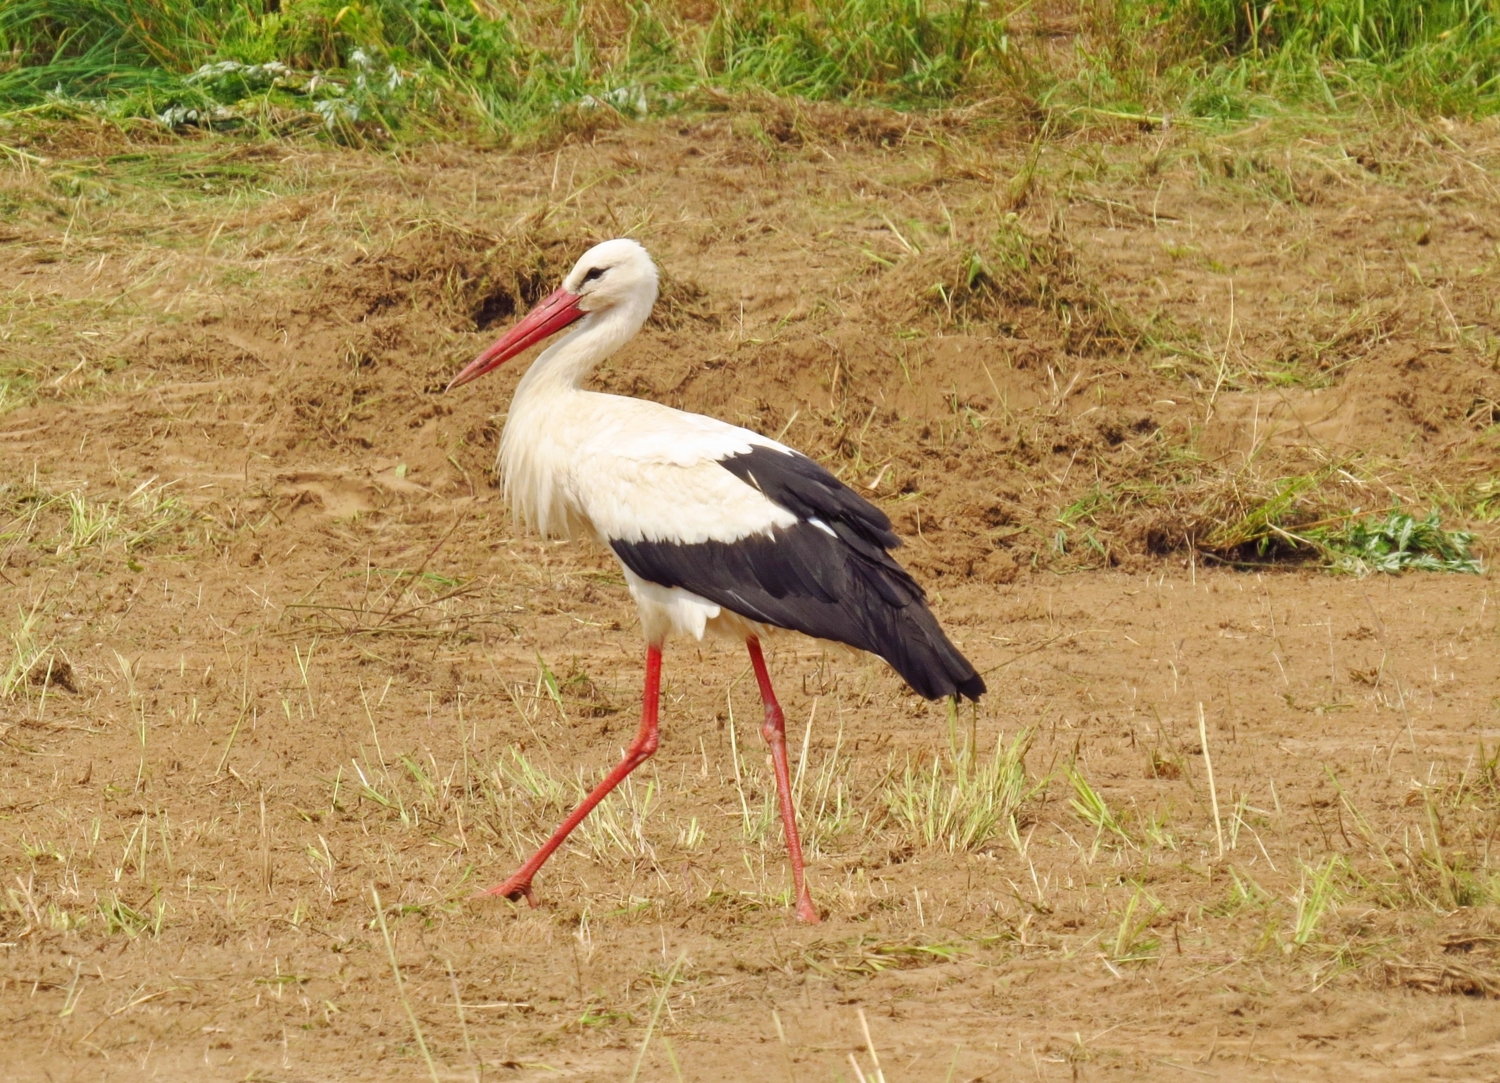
(1397, 543)
(1317, 892)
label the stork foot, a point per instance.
(807, 912)
(513, 889)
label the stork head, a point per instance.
(614, 277)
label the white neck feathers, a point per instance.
(535, 446)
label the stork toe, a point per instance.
(513, 889)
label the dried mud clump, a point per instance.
(1024, 284)
(52, 672)
(801, 122)
(358, 353)
(462, 280)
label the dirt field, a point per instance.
(286, 686)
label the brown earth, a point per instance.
(277, 648)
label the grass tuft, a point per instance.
(1317, 893)
(26, 651)
(965, 802)
(1092, 809)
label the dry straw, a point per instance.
(1213, 790)
(390, 950)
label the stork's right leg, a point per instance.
(639, 752)
(774, 732)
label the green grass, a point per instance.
(1092, 809)
(26, 650)
(382, 66)
(1279, 528)
(420, 63)
(71, 522)
(1224, 60)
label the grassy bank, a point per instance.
(386, 66)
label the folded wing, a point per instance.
(770, 534)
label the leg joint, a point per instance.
(644, 746)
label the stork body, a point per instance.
(717, 528)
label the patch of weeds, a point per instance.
(599, 1016)
(372, 69)
(120, 917)
(1163, 765)
(73, 522)
(369, 68)
(908, 49)
(518, 775)
(617, 825)
(1154, 829)
(870, 955)
(89, 522)
(1397, 543)
(1437, 871)
(821, 795)
(530, 797)
(581, 694)
(1239, 518)
(388, 798)
(825, 808)
(1484, 499)
(26, 651)
(1261, 521)
(17, 383)
(1244, 893)
(1222, 61)
(758, 817)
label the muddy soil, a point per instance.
(287, 686)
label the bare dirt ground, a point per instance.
(286, 686)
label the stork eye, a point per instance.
(593, 273)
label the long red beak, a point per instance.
(551, 315)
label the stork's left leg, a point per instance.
(774, 732)
(639, 752)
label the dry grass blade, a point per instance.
(411, 1015)
(657, 1005)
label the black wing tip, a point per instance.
(948, 686)
(971, 688)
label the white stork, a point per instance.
(717, 528)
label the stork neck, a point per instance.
(564, 365)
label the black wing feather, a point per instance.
(838, 583)
(807, 490)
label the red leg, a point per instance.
(774, 732)
(639, 752)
